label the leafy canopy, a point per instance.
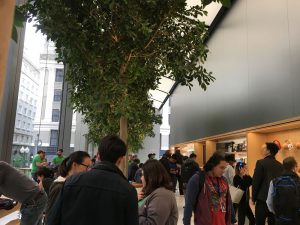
(117, 50)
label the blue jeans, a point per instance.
(32, 214)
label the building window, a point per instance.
(55, 115)
(54, 138)
(59, 76)
(57, 95)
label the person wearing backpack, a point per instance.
(284, 195)
(266, 170)
(207, 195)
(188, 169)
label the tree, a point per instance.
(116, 51)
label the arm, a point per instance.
(270, 198)
(257, 180)
(192, 191)
(131, 209)
(247, 181)
(155, 212)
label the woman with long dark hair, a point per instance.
(157, 203)
(77, 162)
(243, 181)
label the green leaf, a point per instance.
(226, 3)
(14, 34)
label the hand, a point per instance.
(140, 195)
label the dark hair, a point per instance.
(149, 155)
(40, 151)
(272, 147)
(60, 150)
(193, 155)
(238, 167)
(174, 156)
(230, 157)
(168, 154)
(75, 157)
(44, 171)
(289, 164)
(156, 176)
(111, 148)
(141, 165)
(213, 161)
(137, 161)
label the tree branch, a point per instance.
(155, 33)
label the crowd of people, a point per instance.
(80, 190)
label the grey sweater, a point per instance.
(160, 208)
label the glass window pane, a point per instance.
(59, 76)
(57, 95)
(55, 115)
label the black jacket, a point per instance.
(165, 162)
(266, 170)
(99, 196)
(244, 184)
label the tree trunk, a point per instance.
(124, 137)
(6, 20)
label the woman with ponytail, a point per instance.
(77, 162)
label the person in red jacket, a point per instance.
(208, 195)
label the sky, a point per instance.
(34, 44)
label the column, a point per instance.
(65, 121)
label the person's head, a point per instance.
(270, 148)
(136, 160)
(41, 153)
(112, 149)
(43, 173)
(290, 164)
(134, 156)
(141, 165)
(216, 165)
(173, 158)
(76, 162)
(193, 156)
(230, 158)
(154, 176)
(177, 150)
(168, 154)
(129, 157)
(59, 152)
(240, 167)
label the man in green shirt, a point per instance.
(38, 162)
(57, 160)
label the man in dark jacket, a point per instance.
(101, 195)
(179, 161)
(284, 194)
(266, 170)
(165, 160)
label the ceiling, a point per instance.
(160, 94)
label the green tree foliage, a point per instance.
(117, 50)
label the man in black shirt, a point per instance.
(266, 170)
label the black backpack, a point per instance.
(188, 169)
(286, 199)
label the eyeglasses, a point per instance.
(87, 167)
